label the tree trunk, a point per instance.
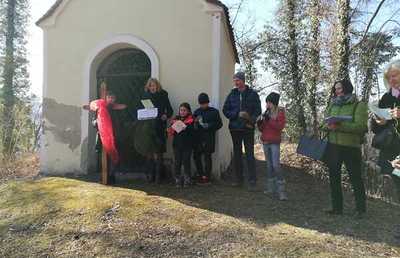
(8, 121)
(343, 40)
(294, 64)
(314, 65)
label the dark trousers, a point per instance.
(351, 157)
(182, 158)
(198, 156)
(154, 166)
(239, 138)
(396, 181)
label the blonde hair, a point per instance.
(394, 65)
(149, 82)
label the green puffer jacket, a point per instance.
(349, 133)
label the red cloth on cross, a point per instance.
(106, 130)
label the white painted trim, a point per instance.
(43, 142)
(216, 59)
(52, 19)
(112, 40)
(216, 78)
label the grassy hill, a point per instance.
(59, 217)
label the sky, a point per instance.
(35, 45)
(260, 12)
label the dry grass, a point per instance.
(26, 166)
(56, 217)
(59, 217)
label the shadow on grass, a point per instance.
(309, 197)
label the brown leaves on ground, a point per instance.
(26, 166)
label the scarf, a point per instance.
(343, 100)
(395, 93)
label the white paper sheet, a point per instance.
(147, 113)
(396, 172)
(147, 104)
(380, 112)
(178, 126)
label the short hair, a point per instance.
(394, 65)
(149, 82)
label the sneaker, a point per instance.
(187, 182)
(270, 187)
(178, 183)
(280, 186)
(204, 181)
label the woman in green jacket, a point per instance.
(345, 139)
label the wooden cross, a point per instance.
(104, 160)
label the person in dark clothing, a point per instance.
(344, 146)
(182, 131)
(391, 99)
(207, 123)
(160, 100)
(242, 107)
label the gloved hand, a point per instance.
(205, 125)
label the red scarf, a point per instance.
(106, 130)
(187, 121)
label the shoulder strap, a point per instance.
(355, 109)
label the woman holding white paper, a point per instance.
(345, 139)
(380, 126)
(159, 99)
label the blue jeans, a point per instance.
(272, 154)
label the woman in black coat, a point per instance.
(391, 99)
(160, 100)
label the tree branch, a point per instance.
(370, 22)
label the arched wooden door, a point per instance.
(125, 73)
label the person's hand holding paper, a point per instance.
(382, 114)
(178, 126)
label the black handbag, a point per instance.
(312, 147)
(385, 139)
